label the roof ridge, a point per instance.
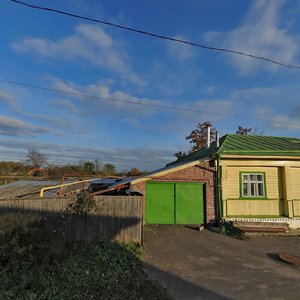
(241, 143)
(226, 136)
(259, 135)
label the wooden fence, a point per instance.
(115, 217)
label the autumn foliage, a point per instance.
(198, 138)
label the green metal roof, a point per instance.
(259, 145)
(242, 144)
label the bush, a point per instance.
(228, 229)
(83, 204)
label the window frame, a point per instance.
(264, 197)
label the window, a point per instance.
(253, 185)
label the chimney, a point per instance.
(218, 139)
(207, 137)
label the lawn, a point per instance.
(39, 263)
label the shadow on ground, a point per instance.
(182, 289)
(206, 265)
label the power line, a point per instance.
(156, 35)
(141, 103)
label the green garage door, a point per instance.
(189, 203)
(160, 203)
(174, 203)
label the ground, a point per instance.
(207, 265)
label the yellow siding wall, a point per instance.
(253, 207)
(295, 178)
(231, 181)
(296, 208)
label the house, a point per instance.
(238, 176)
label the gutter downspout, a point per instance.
(219, 193)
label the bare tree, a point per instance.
(180, 154)
(254, 130)
(97, 165)
(258, 130)
(36, 158)
(243, 130)
(124, 172)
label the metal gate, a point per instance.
(174, 203)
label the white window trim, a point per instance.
(255, 182)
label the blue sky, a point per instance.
(58, 52)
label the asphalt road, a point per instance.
(207, 265)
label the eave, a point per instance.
(168, 170)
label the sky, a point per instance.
(58, 52)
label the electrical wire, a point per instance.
(142, 104)
(156, 35)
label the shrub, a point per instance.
(83, 204)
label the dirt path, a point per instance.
(206, 265)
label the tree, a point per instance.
(243, 130)
(180, 154)
(88, 167)
(198, 137)
(109, 169)
(257, 130)
(97, 165)
(36, 158)
(12, 168)
(134, 172)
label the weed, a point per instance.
(227, 228)
(38, 263)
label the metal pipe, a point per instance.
(66, 184)
(207, 137)
(219, 192)
(218, 139)
(63, 180)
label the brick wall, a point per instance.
(200, 173)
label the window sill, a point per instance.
(253, 198)
(250, 198)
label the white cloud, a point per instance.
(295, 113)
(277, 121)
(65, 104)
(215, 105)
(6, 98)
(264, 93)
(48, 119)
(209, 90)
(214, 110)
(261, 33)
(180, 51)
(205, 110)
(12, 102)
(89, 44)
(103, 91)
(14, 127)
(66, 86)
(105, 100)
(284, 122)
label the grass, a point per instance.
(39, 263)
